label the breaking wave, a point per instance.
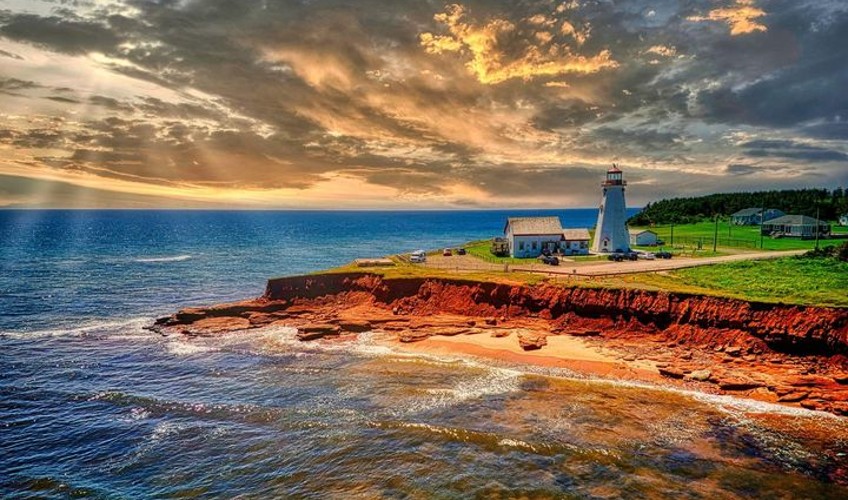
(175, 258)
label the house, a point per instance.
(843, 221)
(528, 236)
(796, 226)
(646, 238)
(751, 216)
(575, 242)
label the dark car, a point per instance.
(662, 254)
(460, 251)
(632, 255)
(616, 256)
(549, 260)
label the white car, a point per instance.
(646, 256)
(418, 257)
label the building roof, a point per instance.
(795, 220)
(747, 212)
(643, 232)
(575, 234)
(524, 226)
(614, 169)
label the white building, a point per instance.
(646, 238)
(611, 232)
(575, 242)
(528, 236)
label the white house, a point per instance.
(798, 226)
(528, 236)
(575, 242)
(646, 238)
(611, 232)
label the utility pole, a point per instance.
(817, 227)
(672, 235)
(762, 221)
(715, 235)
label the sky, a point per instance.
(416, 103)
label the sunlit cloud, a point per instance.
(499, 50)
(742, 17)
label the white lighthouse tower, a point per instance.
(611, 233)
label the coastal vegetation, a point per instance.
(830, 205)
(793, 280)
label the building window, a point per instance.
(533, 245)
(521, 245)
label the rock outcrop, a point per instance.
(782, 353)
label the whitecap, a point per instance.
(175, 258)
(94, 327)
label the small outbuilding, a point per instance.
(575, 242)
(753, 216)
(646, 238)
(796, 226)
(843, 221)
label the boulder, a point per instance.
(529, 340)
(221, 324)
(500, 333)
(583, 333)
(408, 336)
(739, 384)
(672, 372)
(733, 351)
(355, 326)
(700, 375)
(316, 331)
(793, 397)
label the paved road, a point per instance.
(646, 266)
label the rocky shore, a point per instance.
(786, 354)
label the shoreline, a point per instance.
(790, 355)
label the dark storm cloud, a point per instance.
(792, 150)
(62, 34)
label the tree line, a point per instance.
(831, 204)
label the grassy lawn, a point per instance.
(480, 249)
(731, 236)
(791, 280)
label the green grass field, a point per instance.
(731, 236)
(790, 280)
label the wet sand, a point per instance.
(562, 351)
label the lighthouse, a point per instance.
(611, 232)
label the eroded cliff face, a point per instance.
(773, 352)
(693, 319)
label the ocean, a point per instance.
(93, 405)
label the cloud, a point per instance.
(501, 50)
(414, 104)
(742, 17)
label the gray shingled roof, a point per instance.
(575, 234)
(747, 212)
(795, 220)
(524, 226)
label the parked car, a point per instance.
(662, 254)
(631, 255)
(616, 256)
(645, 255)
(660, 243)
(550, 260)
(447, 252)
(461, 251)
(418, 257)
